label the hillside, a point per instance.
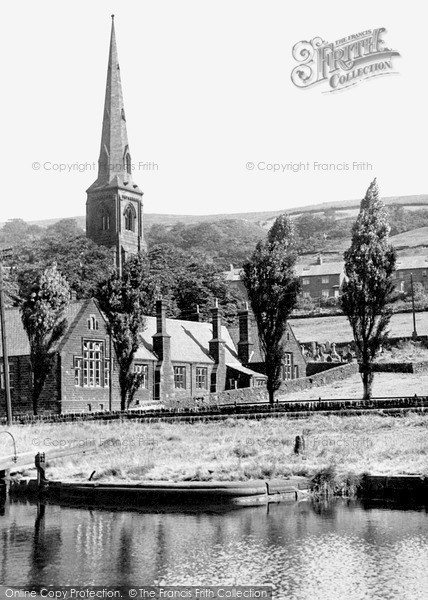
(410, 239)
(230, 239)
(345, 208)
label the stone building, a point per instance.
(114, 206)
(319, 280)
(179, 359)
(250, 353)
(406, 266)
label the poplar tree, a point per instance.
(43, 307)
(369, 267)
(124, 299)
(272, 286)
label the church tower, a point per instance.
(114, 207)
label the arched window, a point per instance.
(130, 218)
(93, 322)
(127, 161)
(105, 220)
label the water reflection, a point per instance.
(327, 550)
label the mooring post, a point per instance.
(299, 444)
(40, 462)
(4, 483)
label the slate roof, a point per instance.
(189, 341)
(17, 340)
(326, 268)
(411, 262)
(257, 354)
(232, 274)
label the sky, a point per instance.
(207, 89)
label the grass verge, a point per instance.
(234, 450)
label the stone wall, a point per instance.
(254, 395)
(401, 367)
(313, 368)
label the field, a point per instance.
(415, 237)
(337, 329)
(385, 384)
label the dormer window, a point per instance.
(130, 218)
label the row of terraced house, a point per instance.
(325, 279)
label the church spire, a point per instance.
(114, 207)
(114, 163)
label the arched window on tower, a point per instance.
(105, 219)
(130, 218)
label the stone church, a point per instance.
(114, 206)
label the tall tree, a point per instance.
(43, 316)
(369, 265)
(124, 300)
(80, 260)
(272, 287)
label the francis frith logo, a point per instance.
(343, 63)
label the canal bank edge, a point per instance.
(237, 493)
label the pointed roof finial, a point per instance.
(112, 17)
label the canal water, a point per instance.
(306, 551)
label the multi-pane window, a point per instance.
(92, 364)
(325, 293)
(180, 378)
(11, 376)
(306, 295)
(305, 281)
(91, 369)
(288, 366)
(201, 378)
(144, 370)
(325, 279)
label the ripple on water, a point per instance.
(345, 552)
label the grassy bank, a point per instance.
(385, 384)
(232, 450)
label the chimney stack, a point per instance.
(217, 351)
(164, 375)
(161, 340)
(320, 259)
(244, 345)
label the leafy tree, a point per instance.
(272, 287)
(124, 300)
(42, 312)
(65, 227)
(17, 231)
(185, 281)
(222, 242)
(369, 265)
(80, 260)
